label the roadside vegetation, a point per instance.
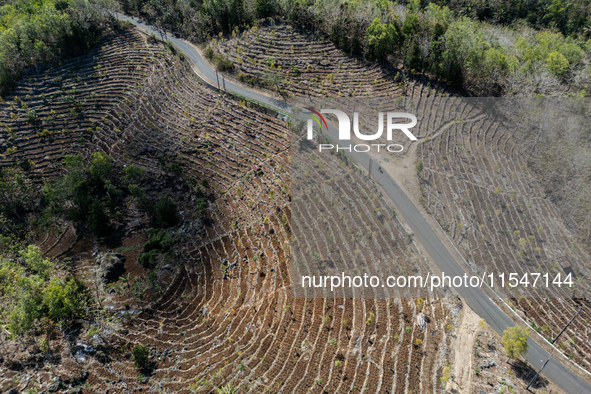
(501, 49)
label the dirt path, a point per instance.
(464, 342)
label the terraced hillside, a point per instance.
(476, 180)
(221, 311)
(478, 186)
(299, 63)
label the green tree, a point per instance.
(33, 288)
(72, 187)
(411, 25)
(225, 14)
(98, 219)
(514, 341)
(201, 208)
(101, 166)
(160, 244)
(264, 8)
(141, 356)
(382, 39)
(33, 259)
(165, 212)
(138, 192)
(557, 63)
(134, 174)
(62, 299)
(27, 308)
(413, 58)
(34, 32)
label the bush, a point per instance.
(100, 168)
(208, 53)
(201, 208)
(419, 167)
(134, 174)
(137, 192)
(33, 290)
(160, 243)
(149, 259)
(61, 299)
(98, 219)
(141, 356)
(445, 376)
(557, 63)
(221, 63)
(176, 169)
(25, 164)
(165, 213)
(33, 259)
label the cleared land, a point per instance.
(476, 181)
(222, 312)
(477, 184)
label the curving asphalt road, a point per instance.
(480, 303)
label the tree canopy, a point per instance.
(34, 289)
(36, 32)
(515, 341)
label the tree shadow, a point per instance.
(526, 373)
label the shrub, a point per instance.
(37, 292)
(165, 212)
(149, 259)
(446, 375)
(208, 53)
(141, 356)
(33, 259)
(557, 63)
(176, 169)
(221, 63)
(134, 174)
(160, 243)
(98, 219)
(25, 164)
(100, 168)
(61, 299)
(419, 167)
(27, 309)
(227, 390)
(137, 191)
(92, 331)
(201, 208)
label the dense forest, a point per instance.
(569, 17)
(487, 48)
(34, 33)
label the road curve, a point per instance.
(480, 303)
